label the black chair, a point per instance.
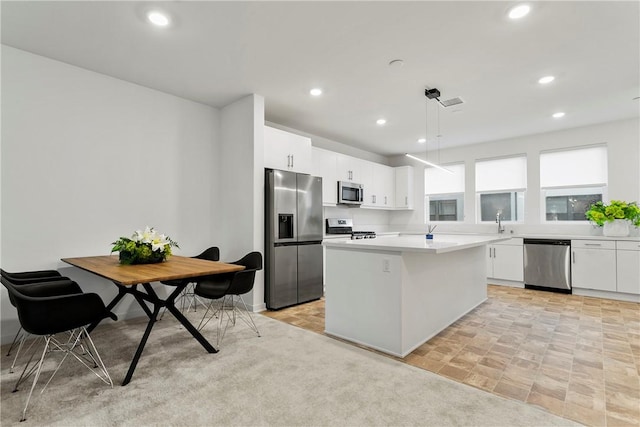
(23, 278)
(228, 288)
(45, 315)
(188, 298)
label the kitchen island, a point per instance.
(394, 293)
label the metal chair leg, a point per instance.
(15, 358)
(13, 343)
(37, 375)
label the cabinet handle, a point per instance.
(573, 257)
(406, 200)
(494, 252)
(593, 244)
(288, 160)
(385, 202)
(489, 252)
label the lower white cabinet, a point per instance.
(628, 267)
(505, 260)
(593, 264)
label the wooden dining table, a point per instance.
(128, 278)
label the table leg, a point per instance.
(170, 305)
(141, 301)
(121, 293)
(143, 342)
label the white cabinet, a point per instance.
(593, 264)
(352, 169)
(286, 151)
(628, 267)
(324, 164)
(404, 187)
(380, 190)
(505, 260)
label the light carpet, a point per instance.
(287, 377)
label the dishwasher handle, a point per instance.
(556, 242)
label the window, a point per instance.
(572, 180)
(444, 194)
(500, 188)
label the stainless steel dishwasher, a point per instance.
(547, 265)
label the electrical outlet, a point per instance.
(386, 265)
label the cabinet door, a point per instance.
(628, 271)
(593, 269)
(353, 169)
(324, 164)
(276, 149)
(489, 260)
(300, 150)
(386, 184)
(404, 187)
(286, 151)
(508, 262)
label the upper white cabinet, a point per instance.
(505, 260)
(593, 264)
(404, 187)
(352, 169)
(380, 190)
(628, 267)
(324, 164)
(286, 151)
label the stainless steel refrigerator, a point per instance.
(293, 238)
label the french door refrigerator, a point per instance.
(293, 238)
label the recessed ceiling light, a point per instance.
(519, 11)
(315, 91)
(396, 63)
(422, 140)
(558, 115)
(546, 79)
(158, 18)
(381, 121)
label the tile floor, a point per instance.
(576, 357)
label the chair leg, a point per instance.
(13, 343)
(246, 315)
(205, 320)
(15, 358)
(37, 375)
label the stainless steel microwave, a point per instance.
(350, 193)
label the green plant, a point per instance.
(617, 209)
(144, 247)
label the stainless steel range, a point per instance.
(345, 226)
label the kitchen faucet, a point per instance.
(499, 221)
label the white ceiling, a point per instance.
(217, 52)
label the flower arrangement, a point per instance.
(144, 247)
(617, 209)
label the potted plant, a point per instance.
(144, 247)
(615, 217)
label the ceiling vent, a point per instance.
(451, 102)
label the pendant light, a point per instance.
(430, 93)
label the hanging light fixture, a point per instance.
(430, 94)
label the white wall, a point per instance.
(241, 177)
(623, 142)
(87, 158)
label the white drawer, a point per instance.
(628, 245)
(515, 241)
(593, 244)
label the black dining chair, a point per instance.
(45, 315)
(187, 298)
(228, 288)
(23, 278)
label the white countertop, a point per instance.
(441, 243)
